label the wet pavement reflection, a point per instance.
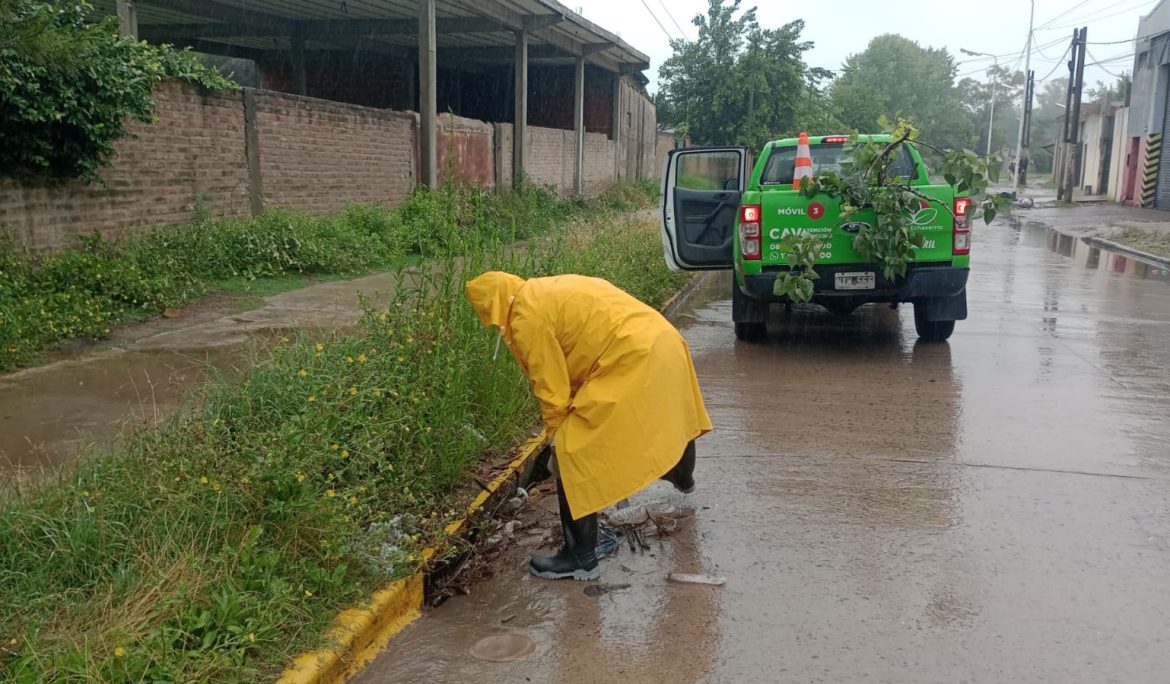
(991, 509)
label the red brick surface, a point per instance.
(195, 150)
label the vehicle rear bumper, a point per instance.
(922, 281)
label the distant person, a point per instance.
(617, 389)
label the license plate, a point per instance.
(855, 281)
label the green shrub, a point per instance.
(67, 87)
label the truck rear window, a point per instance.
(781, 164)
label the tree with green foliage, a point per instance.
(740, 83)
(68, 85)
(895, 77)
(976, 95)
(1047, 124)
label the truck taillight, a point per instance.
(962, 240)
(749, 231)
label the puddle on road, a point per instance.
(1097, 258)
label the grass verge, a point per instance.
(84, 291)
(222, 543)
(1145, 240)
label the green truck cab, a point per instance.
(717, 216)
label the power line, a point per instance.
(1098, 64)
(655, 17)
(681, 32)
(1056, 66)
(1074, 7)
(1097, 16)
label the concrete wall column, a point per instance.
(428, 95)
(579, 123)
(127, 19)
(618, 157)
(297, 55)
(520, 115)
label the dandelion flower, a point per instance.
(345, 453)
(349, 359)
(203, 480)
(119, 652)
(352, 391)
(401, 359)
(361, 358)
(308, 594)
(284, 339)
(334, 447)
(301, 477)
(215, 487)
(312, 398)
(252, 637)
(353, 500)
(303, 373)
(377, 393)
(319, 347)
(330, 493)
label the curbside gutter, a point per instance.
(359, 634)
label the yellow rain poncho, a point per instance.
(614, 378)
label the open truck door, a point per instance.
(701, 189)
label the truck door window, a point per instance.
(714, 171)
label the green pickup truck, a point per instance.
(716, 216)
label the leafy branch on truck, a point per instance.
(869, 181)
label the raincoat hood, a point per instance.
(491, 296)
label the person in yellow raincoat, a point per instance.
(617, 389)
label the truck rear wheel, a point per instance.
(749, 315)
(751, 332)
(931, 331)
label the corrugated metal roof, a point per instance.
(260, 21)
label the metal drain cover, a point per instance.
(503, 648)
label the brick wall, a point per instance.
(319, 156)
(195, 152)
(312, 155)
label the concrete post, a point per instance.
(520, 115)
(252, 152)
(579, 123)
(127, 19)
(297, 55)
(618, 159)
(428, 97)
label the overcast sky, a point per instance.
(843, 27)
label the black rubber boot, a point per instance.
(682, 475)
(577, 558)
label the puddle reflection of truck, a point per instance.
(716, 216)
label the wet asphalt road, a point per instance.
(995, 509)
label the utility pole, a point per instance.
(1060, 173)
(1072, 131)
(1020, 135)
(991, 115)
(1028, 93)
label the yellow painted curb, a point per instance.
(359, 634)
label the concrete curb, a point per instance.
(359, 634)
(1133, 253)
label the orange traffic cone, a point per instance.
(803, 161)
